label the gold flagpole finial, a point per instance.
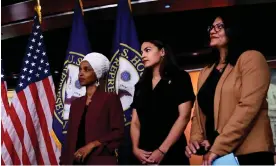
(38, 10)
(81, 5)
(129, 3)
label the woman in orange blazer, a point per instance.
(96, 123)
(231, 111)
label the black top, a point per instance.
(81, 132)
(157, 111)
(205, 98)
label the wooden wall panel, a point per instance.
(17, 18)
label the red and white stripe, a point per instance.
(35, 106)
(9, 155)
(10, 142)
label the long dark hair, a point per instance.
(168, 66)
(168, 69)
(236, 43)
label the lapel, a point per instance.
(204, 76)
(79, 111)
(217, 98)
(82, 103)
(94, 102)
(91, 108)
(95, 108)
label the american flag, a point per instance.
(9, 155)
(33, 105)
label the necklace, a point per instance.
(221, 67)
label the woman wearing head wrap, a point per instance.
(96, 121)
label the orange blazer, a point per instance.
(240, 107)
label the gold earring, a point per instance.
(97, 83)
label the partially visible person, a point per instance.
(231, 111)
(271, 99)
(96, 123)
(161, 108)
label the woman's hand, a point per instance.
(142, 155)
(209, 158)
(156, 157)
(194, 146)
(81, 154)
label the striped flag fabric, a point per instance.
(8, 155)
(33, 105)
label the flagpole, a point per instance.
(129, 3)
(81, 5)
(38, 10)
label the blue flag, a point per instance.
(125, 70)
(69, 87)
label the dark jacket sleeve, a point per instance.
(113, 139)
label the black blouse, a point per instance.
(205, 99)
(157, 110)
